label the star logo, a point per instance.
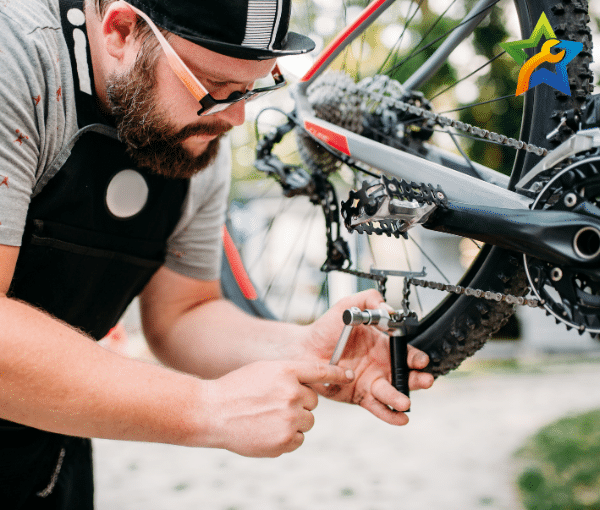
(528, 76)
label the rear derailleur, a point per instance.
(295, 181)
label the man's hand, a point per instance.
(367, 354)
(264, 409)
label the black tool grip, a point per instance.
(399, 363)
(399, 340)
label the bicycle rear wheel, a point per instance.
(451, 327)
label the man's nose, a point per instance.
(234, 114)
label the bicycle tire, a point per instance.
(461, 325)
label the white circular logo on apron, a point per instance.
(127, 194)
(76, 17)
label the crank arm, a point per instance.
(560, 237)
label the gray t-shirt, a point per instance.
(38, 124)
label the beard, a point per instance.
(152, 142)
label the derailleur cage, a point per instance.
(295, 180)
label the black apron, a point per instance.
(79, 261)
(87, 251)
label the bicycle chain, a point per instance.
(478, 293)
(453, 289)
(445, 121)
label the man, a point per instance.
(112, 186)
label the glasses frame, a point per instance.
(209, 105)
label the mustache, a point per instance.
(216, 128)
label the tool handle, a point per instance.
(399, 363)
(399, 340)
(341, 345)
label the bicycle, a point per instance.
(537, 231)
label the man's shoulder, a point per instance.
(30, 15)
(36, 84)
(31, 30)
(34, 53)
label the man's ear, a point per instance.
(118, 29)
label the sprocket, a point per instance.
(334, 98)
(571, 294)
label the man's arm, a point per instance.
(54, 378)
(191, 327)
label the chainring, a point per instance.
(570, 294)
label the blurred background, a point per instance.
(516, 426)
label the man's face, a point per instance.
(152, 141)
(156, 115)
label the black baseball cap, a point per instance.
(245, 29)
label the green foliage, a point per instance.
(562, 465)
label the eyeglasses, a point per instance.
(209, 105)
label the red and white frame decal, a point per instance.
(331, 138)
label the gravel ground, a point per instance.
(456, 452)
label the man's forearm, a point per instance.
(54, 378)
(216, 337)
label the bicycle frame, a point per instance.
(480, 208)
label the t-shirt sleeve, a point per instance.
(19, 133)
(196, 247)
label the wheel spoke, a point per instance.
(283, 207)
(444, 35)
(473, 105)
(408, 263)
(396, 47)
(276, 275)
(434, 25)
(299, 265)
(468, 76)
(424, 253)
(474, 172)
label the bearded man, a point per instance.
(114, 173)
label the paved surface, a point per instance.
(456, 453)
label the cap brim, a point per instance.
(295, 44)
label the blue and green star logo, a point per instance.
(528, 76)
